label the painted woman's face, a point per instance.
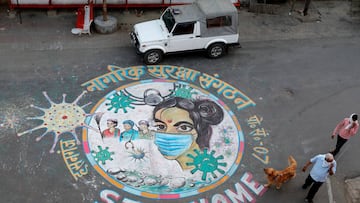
(110, 124)
(175, 132)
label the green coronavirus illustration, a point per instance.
(206, 163)
(119, 101)
(183, 91)
(102, 155)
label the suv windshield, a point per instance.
(168, 19)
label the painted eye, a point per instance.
(160, 127)
(185, 128)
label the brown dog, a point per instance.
(279, 177)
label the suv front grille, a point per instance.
(134, 39)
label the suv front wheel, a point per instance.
(152, 57)
(216, 50)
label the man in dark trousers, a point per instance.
(324, 165)
(347, 128)
(306, 7)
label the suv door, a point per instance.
(184, 37)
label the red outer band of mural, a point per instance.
(169, 196)
(240, 153)
(86, 147)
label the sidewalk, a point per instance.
(327, 19)
(353, 190)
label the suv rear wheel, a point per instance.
(216, 50)
(152, 57)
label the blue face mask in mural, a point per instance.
(173, 144)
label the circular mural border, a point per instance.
(183, 194)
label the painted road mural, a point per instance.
(158, 132)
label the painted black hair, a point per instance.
(354, 117)
(204, 113)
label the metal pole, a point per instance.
(20, 18)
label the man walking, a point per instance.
(347, 128)
(324, 164)
(306, 7)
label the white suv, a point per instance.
(210, 25)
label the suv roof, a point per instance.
(215, 7)
(202, 9)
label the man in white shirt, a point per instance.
(324, 165)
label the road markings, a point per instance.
(329, 189)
